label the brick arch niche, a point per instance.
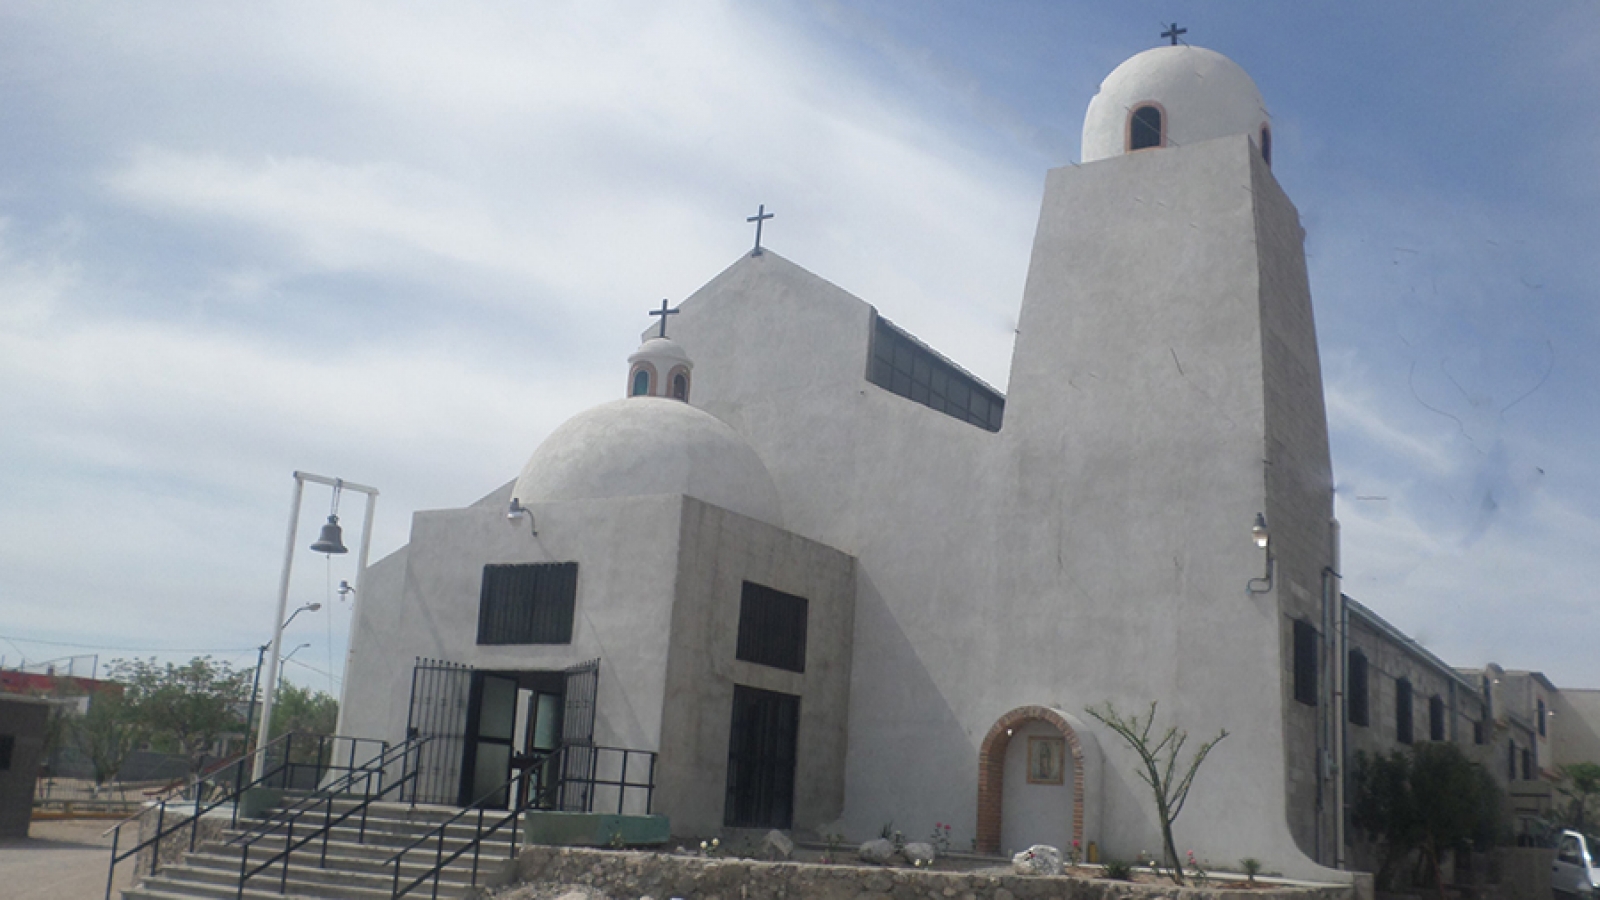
(1081, 746)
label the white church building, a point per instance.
(831, 580)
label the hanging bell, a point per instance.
(332, 540)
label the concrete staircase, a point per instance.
(355, 868)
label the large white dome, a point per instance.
(641, 446)
(1201, 93)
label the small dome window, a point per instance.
(1146, 128)
(1266, 145)
(641, 383)
(680, 387)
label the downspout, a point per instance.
(1341, 618)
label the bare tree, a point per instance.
(1160, 759)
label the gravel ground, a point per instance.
(63, 859)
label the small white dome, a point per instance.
(641, 446)
(662, 349)
(1201, 94)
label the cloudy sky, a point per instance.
(400, 243)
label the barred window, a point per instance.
(1305, 663)
(772, 628)
(1402, 711)
(901, 365)
(527, 604)
(1357, 693)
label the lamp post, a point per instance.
(255, 684)
(328, 542)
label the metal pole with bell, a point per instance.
(330, 541)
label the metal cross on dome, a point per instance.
(1173, 31)
(663, 312)
(761, 216)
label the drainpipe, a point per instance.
(1341, 618)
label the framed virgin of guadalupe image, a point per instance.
(1046, 756)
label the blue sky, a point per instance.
(399, 244)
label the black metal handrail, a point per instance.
(205, 785)
(475, 845)
(288, 818)
(546, 796)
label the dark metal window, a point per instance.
(641, 383)
(1305, 663)
(902, 365)
(680, 387)
(7, 742)
(1144, 128)
(1527, 765)
(1402, 711)
(1435, 718)
(1511, 760)
(1357, 692)
(1477, 733)
(1266, 145)
(1542, 716)
(762, 748)
(772, 628)
(527, 604)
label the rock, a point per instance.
(919, 852)
(1040, 859)
(776, 845)
(879, 851)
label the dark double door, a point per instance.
(485, 725)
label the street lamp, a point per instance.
(329, 542)
(255, 685)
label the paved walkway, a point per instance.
(64, 859)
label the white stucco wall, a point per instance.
(626, 550)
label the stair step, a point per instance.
(357, 864)
(416, 864)
(183, 882)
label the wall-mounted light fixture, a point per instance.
(1263, 539)
(517, 511)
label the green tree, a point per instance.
(107, 733)
(186, 708)
(1433, 801)
(1160, 759)
(1580, 784)
(296, 708)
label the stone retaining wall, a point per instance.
(663, 876)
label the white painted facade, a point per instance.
(964, 583)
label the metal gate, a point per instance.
(440, 694)
(577, 735)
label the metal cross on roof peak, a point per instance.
(663, 312)
(1173, 31)
(761, 216)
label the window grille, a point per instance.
(1305, 663)
(1357, 692)
(772, 628)
(901, 365)
(527, 604)
(1402, 711)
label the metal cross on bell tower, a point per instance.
(663, 312)
(1173, 31)
(761, 216)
